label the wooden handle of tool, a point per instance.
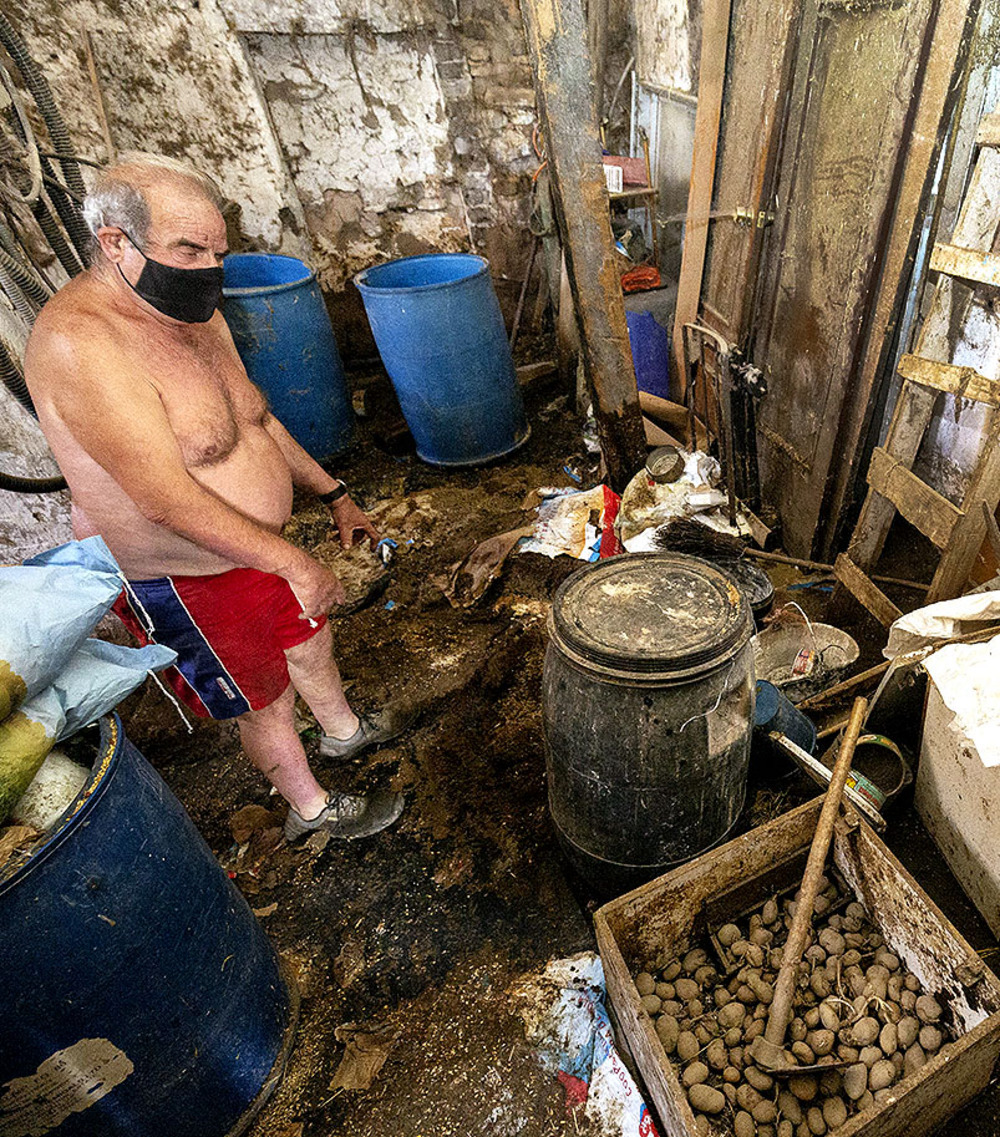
(784, 988)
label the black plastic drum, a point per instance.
(648, 706)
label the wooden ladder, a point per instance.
(969, 271)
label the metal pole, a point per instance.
(557, 41)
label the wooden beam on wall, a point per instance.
(557, 42)
(711, 85)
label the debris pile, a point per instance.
(857, 1010)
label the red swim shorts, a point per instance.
(230, 633)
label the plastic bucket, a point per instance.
(438, 327)
(275, 311)
(140, 995)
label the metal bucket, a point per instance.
(648, 706)
(139, 995)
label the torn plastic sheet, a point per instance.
(941, 621)
(968, 679)
(568, 1024)
(578, 523)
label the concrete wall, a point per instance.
(348, 131)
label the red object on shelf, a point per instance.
(633, 169)
(641, 278)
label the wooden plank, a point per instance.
(556, 34)
(979, 224)
(967, 539)
(988, 133)
(972, 265)
(925, 509)
(865, 591)
(949, 36)
(964, 382)
(711, 83)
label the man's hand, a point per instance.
(315, 588)
(352, 523)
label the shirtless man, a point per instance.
(172, 456)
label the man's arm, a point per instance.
(123, 426)
(307, 472)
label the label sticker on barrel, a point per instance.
(67, 1082)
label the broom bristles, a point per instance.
(683, 535)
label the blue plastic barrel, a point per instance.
(275, 311)
(439, 330)
(134, 972)
(650, 343)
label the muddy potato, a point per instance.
(831, 1082)
(672, 1007)
(797, 1030)
(694, 1073)
(834, 1112)
(803, 1130)
(881, 1075)
(855, 1080)
(671, 971)
(764, 1112)
(745, 994)
(829, 1016)
(706, 1099)
(820, 984)
(863, 1032)
(774, 958)
(732, 1015)
(728, 934)
(743, 1125)
(888, 1040)
(716, 1054)
(907, 1030)
(733, 1037)
(695, 1008)
(721, 996)
(754, 1030)
(702, 1126)
(898, 1060)
(645, 984)
(821, 1041)
(832, 942)
(668, 1032)
(785, 1128)
(930, 1038)
(730, 1091)
(928, 1009)
(686, 989)
(870, 1055)
(815, 955)
(703, 1033)
(814, 1119)
(706, 976)
(911, 983)
(694, 959)
(747, 1097)
(761, 1082)
(803, 1053)
(914, 1059)
(848, 1053)
(762, 989)
(908, 1000)
(651, 1004)
(761, 937)
(811, 1018)
(855, 940)
(850, 958)
(731, 1075)
(789, 1106)
(687, 1046)
(769, 913)
(754, 955)
(665, 991)
(803, 1086)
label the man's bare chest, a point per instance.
(209, 403)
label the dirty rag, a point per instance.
(941, 621)
(968, 679)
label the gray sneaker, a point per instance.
(348, 816)
(373, 730)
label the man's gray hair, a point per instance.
(119, 197)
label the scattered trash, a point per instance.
(263, 913)
(573, 475)
(317, 842)
(579, 524)
(567, 1022)
(15, 838)
(466, 581)
(385, 550)
(665, 464)
(246, 821)
(389, 605)
(367, 1047)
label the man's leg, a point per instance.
(272, 744)
(315, 676)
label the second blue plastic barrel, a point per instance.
(440, 332)
(135, 976)
(275, 311)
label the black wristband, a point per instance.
(331, 496)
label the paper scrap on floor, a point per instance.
(567, 1022)
(579, 523)
(968, 679)
(648, 505)
(941, 621)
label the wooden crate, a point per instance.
(660, 918)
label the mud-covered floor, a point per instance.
(419, 939)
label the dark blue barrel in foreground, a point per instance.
(134, 973)
(275, 310)
(439, 330)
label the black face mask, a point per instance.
(188, 294)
